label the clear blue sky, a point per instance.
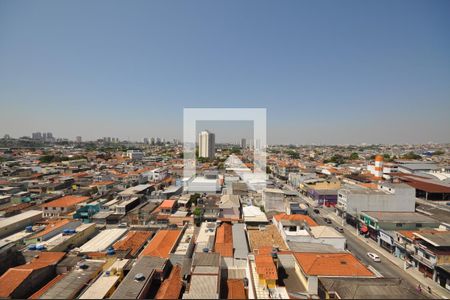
(327, 71)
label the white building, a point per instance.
(135, 154)
(206, 144)
(273, 200)
(387, 198)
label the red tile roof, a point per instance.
(168, 204)
(266, 267)
(46, 287)
(236, 289)
(224, 240)
(12, 279)
(52, 226)
(171, 287)
(133, 241)
(331, 264)
(66, 201)
(162, 243)
(303, 218)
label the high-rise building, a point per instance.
(36, 136)
(158, 141)
(206, 144)
(78, 139)
(152, 140)
(243, 143)
(146, 141)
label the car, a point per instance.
(328, 221)
(316, 211)
(339, 229)
(373, 257)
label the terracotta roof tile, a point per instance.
(266, 267)
(331, 264)
(46, 287)
(168, 203)
(66, 201)
(171, 287)
(224, 240)
(162, 243)
(52, 226)
(12, 279)
(306, 219)
(236, 289)
(134, 240)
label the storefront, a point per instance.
(386, 241)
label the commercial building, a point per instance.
(386, 198)
(103, 240)
(70, 238)
(18, 222)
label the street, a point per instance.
(360, 249)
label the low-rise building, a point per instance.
(62, 206)
(386, 198)
(310, 267)
(137, 283)
(205, 277)
(74, 282)
(163, 243)
(273, 200)
(102, 241)
(107, 282)
(18, 222)
(24, 280)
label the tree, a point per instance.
(411, 155)
(194, 198)
(438, 152)
(354, 156)
(338, 159)
(197, 212)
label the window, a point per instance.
(399, 225)
(418, 225)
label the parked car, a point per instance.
(373, 257)
(316, 211)
(339, 229)
(328, 221)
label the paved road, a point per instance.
(359, 248)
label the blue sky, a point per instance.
(327, 71)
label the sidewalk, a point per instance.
(436, 289)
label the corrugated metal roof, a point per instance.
(240, 242)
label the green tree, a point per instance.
(411, 155)
(354, 156)
(197, 212)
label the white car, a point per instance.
(374, 257)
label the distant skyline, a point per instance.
(328, 72)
